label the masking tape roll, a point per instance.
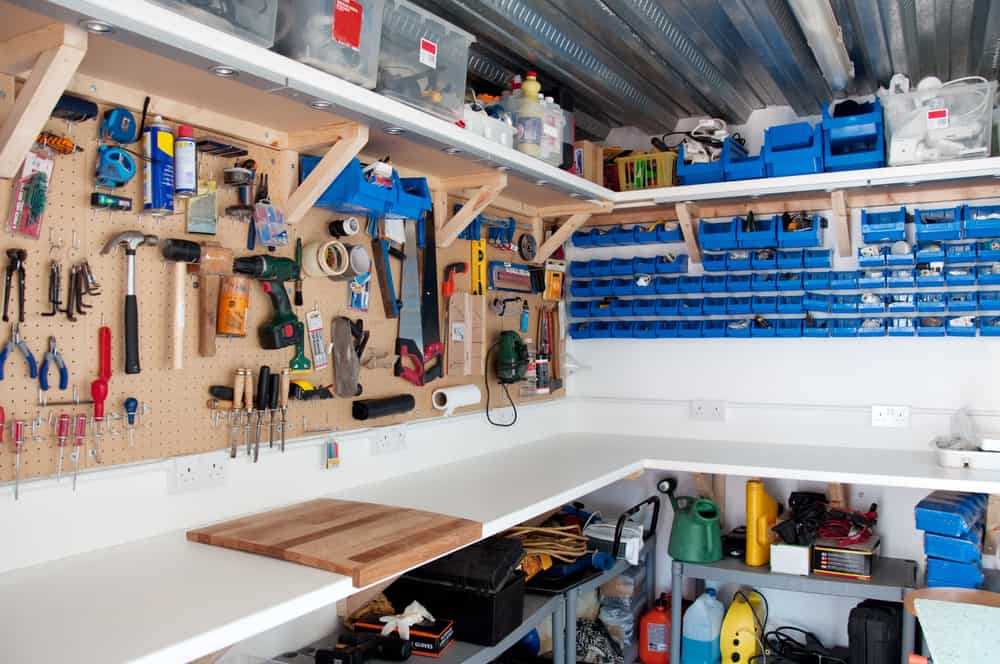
(325, 259)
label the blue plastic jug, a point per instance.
(701, 628)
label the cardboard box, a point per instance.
(428, 640)
(854, 561)
(790, 559)
(588, 160)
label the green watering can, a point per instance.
(695, 536)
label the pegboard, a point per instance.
(179, 421)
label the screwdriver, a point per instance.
(234, 414)
(286, 383)
(263, 383)
(98, 392)
(80, 435)
(248, 405)
(274, 384)
(18, 432)
(131, 406)
(62, 432)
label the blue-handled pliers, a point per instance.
(55, 356)
(22, 345)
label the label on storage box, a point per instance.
(347, 15)
(937, 118)
(428, 53)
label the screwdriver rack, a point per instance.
(173, 414)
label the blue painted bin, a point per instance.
(926, 327)
(793, 149)
(713, 262)
(810, 234)
(666, 307)
(713, 329)
(738, 305)
(714, 306)
(738, 283)
(689, 284)
(932, 302)
(664, 264)
(844, 280)
(351, 191)
(580, 288)
(789, 281)
(601, 287)
(689, 329)
(789, 328)
(955, 327)
(665, 285)
(982, 221)
(666, 329)
(579, 330)
(763, 235)
(901, 327)
(790, 304)
(622, 329)
(644, 330)
(717, 235)
(600, 330)
(790, 260)
(816, 328)
(883, 226)
(854, 141)
(764, 304)
(713, 283)
(697, 173)
(738, 260)
(737, 164)
(938, 224)
(764, 259)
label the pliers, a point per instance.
(22, 345)
(55, 356)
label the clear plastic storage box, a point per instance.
(341, 37)
(423, 60)
(950, 122)
(252, 20)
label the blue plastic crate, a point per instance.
(788, 328)
(580, 288)
(665, 285)
(931, 302)
(689, 284)
(938, 224)
(690, 306)
(643, 284)
(689, 329)
(961, 252)
(669, 232)
(666, 329)
(644, 308)
(989, 326)
(872, 327)
(713, 283)
(603, 237)
(642, 265)
(738, 260)
(930, 326)
(600, 287)
(714, 306)
(717, 235)
(845, 327)
(665, 307)
(816, 327)
(792, 260)
(622, 286)
(671, 264)
(764, 232)
(739, 329)
(982, 221)
(899, 260)
(789, 281)
(763, 327)
(600, 330)
(413, 198)
(871, 255)
(871, 279)
(622, 308)
(816, 302)
(600, 309)
(764, 259)
(900, 327)
(622, 236)
(900, 278)
(793, 149)
(930, 276)
(790, 304)
(951, 513)
(579, 269)
(883, 226)
(713, 262)
(737, 164)
(645, 234)
(579, 309)
(583, 239)
(579, 330)
(966, 276)
(871, 303)
(949, 574)
(738, 305)
(967, 549)
(901, 302)
(930, 252)
(989, 300)
(644, 330)
(738, 283)
(816, 280)
(818, 258)
(844, 304)
(854, 141)
(764, 304)
(713, 329)
(351, 191)
(961, 326)
(764, 281)
(844, 280)
(697, 173)
(621, 266)
(798, 232)
(600, 268)
(622, 329)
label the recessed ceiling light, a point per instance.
(320, 104)
(222, 71)
(503, 169)
(95, 26)
(541, 183)
(394, 131)
(451, 150)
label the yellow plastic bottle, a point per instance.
(530, 117)
(762, 513)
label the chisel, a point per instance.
(274, 383)
(237, 410)
(263, 384)
(286, 384)
(248, 407)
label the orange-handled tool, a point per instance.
(99, 393)
(78, 438)
(62, 432)
(448, 286)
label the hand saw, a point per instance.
(410, 342)
(433, 350)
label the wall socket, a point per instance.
(388, 440)
(196, 472)
(708, 410)
(891, 416)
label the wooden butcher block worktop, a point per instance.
(365, 541)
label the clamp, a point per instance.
(22, 345)
(54, 356)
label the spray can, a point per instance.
(185, 163)
(234, 299)
(158, 179)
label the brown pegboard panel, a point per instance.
(179, 421)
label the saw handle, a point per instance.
(433, 361)
(410, 365)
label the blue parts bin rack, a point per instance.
(962, 252)
(579, 330)
(930, 326)
(764, 304)
(871, 255)
(982, 221)
(800, 231)
(853, 141)
(738, 260)
(793, 149)
(901, 327)
(718, 235)
(988, 250)
(413, 198)
(670, 264)
(871, 327)
(756, 232)
(351, 191)
(790, 260)
(764, 259)
(788, 328)
(737, 164)
(961, 326)
(697, 173)
(883, 226)
(713, 262)
(818, 258)
(938, 224)
(929, 252)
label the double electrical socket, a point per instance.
(891, 416)
(196, 472)
(708, 410)
(388, 440)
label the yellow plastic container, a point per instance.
(762, 512)
(646, 171)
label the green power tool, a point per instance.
(512, 358)
(284, 328)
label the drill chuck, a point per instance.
(254, 266)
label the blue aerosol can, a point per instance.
(158, 178)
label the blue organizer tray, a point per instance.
(622, 329)
(665, 285)
(816, 280)
(763, 328)
(844, 304)
(713, 283)
(816, 328)
(926, 328)
(644, 330)
(982, 221)
(801, 239)
(648, 289)
(764, 281)
(669, 233)
(816, 302)
(955, 330)
(764, 259)
(930, 251)
(738, 329)
(676, 266)
(947, 227)
(689, 329)
(643, 265)
(600, 309)
(622, 236)
(901, 302)
(738, 305)
(900, 278)
(883, 226)
(901, 327)
(989, 326)
(764, 304)
(600, 287)
(738, 260)
(666, 329)
(583, 239)
(738, 283)
(791, 260)
(963, 252)
(788, 328)
(579, 330)
(697, 173)
(413, 198)
(966, 549)
(580, 269)
(764, 235)
(793, 149)
(931, 302)
(621, 267)
(989, 300)
(866, 258)
(818, 258)
(713, 329)
(645, 234)
(623, 286)
(737, 164)
(689, 285)
(713, 262)
(789, 281)
(846, 327)
(871, 279)
(602, 237)
(666, 307)
(947, 573)
(717, 235)
(899, 260)
(351, 191)
(844, 280)
(930, 277)
(790, 304)
(958, 276)
(600, 268)
(714, 306)
(580, 288)
(854, 141)
(690, 306)
(871, 303)
(872, 327)
(579, 309)
(644, 308)
(622, 308)
(600, 330)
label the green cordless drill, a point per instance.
(284, 328)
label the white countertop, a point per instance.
(165, 599)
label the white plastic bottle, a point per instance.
(530, 117)
(552, 132)
(701, 628)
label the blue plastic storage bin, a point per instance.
(899, 260)
(962, 252)
(600, 268)
(883, 226)
(813, 327)
(988, 274)
(580, 269)
(600, 330)
(871, 255)
(738, 260)
(580, 288)
(351, 191)
(697, 173)
(963, 301)
(579, 330)
(989, 326)
(713, 262)
(871, 303)
(989, 300)
(870, 279)
(938, 224)
(930, 252)
(949, 574)
(713, 283)
(854, 141)
(671, 264)
(816, 280)
(717, 235)
(930, 326)
(666, 329)
(622, 236)
(790, 304)
(665, 285)
(764, 259)
(738, 305)
(665, 307)
(645, 234)
(643, 265)
(413, 198)
(789, 281)
(818, 258)
(791, 260)
(739, 329)
(764, 304)
(961, 326)
(737, 164)
(643, 285)
(713, 329)
(602, 237)
(738, 283)
(600, 287)
(690, 306)
(966, 276)
(931, 302)
(901, 302)
(622, 329)
(623, 286)
(844, 304)
(621, 266)
(788, 328)
(793, 149)
(763, 327)
(764, 281)
(622, 308)
(844, 280)
(951, 513)
(795, 231)
(845, 327)
(967, 549)
(763, 235)
(644, 330)
(714, 306)
(689, 284)
(583, 239)
(900, 278)
(982, 221)
(669, 232)
(644, 307)
(900, 327)
(871, 327)
(579, 309)
(600, 308)
(689, 329)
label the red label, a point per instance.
(938, 114)
(347, 15)
(428, 53)
(428, 46)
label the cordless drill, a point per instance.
(284, 328)
(359, 648)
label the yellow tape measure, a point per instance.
(478, 273)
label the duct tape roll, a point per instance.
(344, 227)
(325, 259)
(359, 262)
(369, 409)
(450, 398)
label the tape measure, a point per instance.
(477, 274)
(119, 125)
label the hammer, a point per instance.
(131, 240)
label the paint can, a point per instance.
(185, 163)
(234, 301)
(158, 178)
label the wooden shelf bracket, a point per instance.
(348, 139)
(578, 216)
(487, 186)
(53, 54)
(687, 216)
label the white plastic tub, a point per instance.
(252, 20)
(481, 124)
(341, 37)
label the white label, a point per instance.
(458, 331)
(428, 53)
(937, 118)
(656, 637)
(550, 130)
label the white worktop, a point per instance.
(164, 599)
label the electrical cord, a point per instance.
(810, 650)
(486, 385)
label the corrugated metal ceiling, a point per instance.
(650, 62)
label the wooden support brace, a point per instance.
(490, 186)
(841, 222)
(51, 71)
(836, 495)
(350, 139)
(687, 214)
(560, 235)
(439, 199)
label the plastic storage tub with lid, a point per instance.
(252, 21)
(341, 37)
(423, 60)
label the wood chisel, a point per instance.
(273, 386)
(286, 384)
(260, 404)
(248, 396)
(237, 410)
